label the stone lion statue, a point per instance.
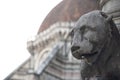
(96, 41)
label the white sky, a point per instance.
(19, 20)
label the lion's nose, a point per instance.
(74, 48)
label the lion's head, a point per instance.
(89, 35)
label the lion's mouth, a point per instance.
(88, 56)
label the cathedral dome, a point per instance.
(68, 10)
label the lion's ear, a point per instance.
(113, 27)
(103, 14)
(109, 18)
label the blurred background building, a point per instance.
(51, 57)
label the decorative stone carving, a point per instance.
(44, 42)
(49, 37)
(96, 40)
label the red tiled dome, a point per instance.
(68, 10)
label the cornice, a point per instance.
(49, 37)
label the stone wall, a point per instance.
(62, 69)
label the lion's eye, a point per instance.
(82, 30)
(86, 29)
